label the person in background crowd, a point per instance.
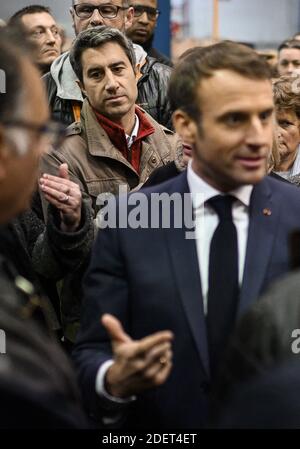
(265, 341)
(116, 143)
(289, 57)
(65, 97)
(37, 387)
(287, 107)
(41, 29)
(141, 32)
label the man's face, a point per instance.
(18, 173)
(288, 131)
(122, 21)
(233, 140)
(43, 31)
(109, 81)
(289, 61)
(144, 24)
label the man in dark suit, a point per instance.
(168, 302)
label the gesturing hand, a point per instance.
(65, 195)
(138, 365)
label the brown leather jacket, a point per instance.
(98, 166)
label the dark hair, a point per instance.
(290, 43)
(96, 37)
(10, 79)
(202, 62)
(32, 9)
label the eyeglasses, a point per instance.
(86, 10)
(54, 132)
(152, 13)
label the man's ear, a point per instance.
(185, 126)
(71, 10)
(129, 18)
(81, 87)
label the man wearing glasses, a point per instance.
(141, 32)
(37, 386)
(65, 97)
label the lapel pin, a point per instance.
(267, 212)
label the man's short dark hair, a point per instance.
(96, 37)
(32, 9)
(290, 43)
(10, 78)
(202, 63)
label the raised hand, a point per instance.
(138, 365)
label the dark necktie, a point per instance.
(223, 291)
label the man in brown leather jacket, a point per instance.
(116, 142)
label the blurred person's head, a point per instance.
(2, 23)
(289, 57)
(41, 28)
(23, 117)
(222, 98)
(287, 110)
(104, 61)
(264, 337)
(91, 13)
(144, 21)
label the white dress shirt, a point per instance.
(207, 220)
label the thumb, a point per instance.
(115, 329)
(63, 171)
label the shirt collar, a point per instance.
(130, 139)
(201, 191)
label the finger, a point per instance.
(162, 375)
(63, 171)
(115, 329)
(60, 188)
(60, 184)
(67, 182)
(66, 208)
(147, 343)
(152, 371)
(158, 352)
(56, 194)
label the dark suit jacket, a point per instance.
(149, 279)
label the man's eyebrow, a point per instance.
(115, 64)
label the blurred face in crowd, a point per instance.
(86, 15)
(289, 61)
(44, 33)
(288, 131)
(144, 21)
(21, 145)
(109, 81)
(233, 137)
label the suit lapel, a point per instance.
(184, 260)
(264, 215)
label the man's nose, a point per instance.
(50, 37)
(258, 133)
(144, 18)
(111, 82)
(96, 18)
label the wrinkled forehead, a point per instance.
(289, 53)
(38, 19)
(99, 2)
(149, 3)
